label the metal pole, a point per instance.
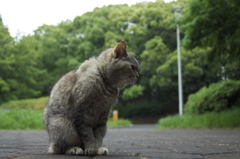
(180, 90)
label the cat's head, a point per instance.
(120, 67)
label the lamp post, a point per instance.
(177, 12)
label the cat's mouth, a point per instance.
(133, 79)
(129, 80)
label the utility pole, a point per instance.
(177, 12)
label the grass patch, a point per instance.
(29, 119)
(21, 119)
(119, 123)
(36, 104)
(27, 114)
(225, 119)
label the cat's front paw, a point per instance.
(90, 151)
(74, 151)
(102, 151)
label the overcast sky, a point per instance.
(24, 16)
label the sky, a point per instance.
(23, 16)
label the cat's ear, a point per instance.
(120, 50)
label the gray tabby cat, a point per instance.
(79, 105)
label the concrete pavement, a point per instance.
(133, 143)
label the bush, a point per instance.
(217, 97)
(225, 119)
(140, 108)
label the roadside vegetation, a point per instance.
(119, 123)
(225, 119)
(21, 119)
(28, 115)
(216, 106)
(36, 104)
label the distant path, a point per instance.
(133, 143)
(138, 126)
(144, 126)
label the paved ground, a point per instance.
(133, 143)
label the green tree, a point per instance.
(5, 61)
(5, 38)
(20, 76)
(152, 57)
(26, 79)
(214, 24)
(57, 49)
(132, 92)
(194, 73)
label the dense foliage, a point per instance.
(29, 66)
(141, 108)
(215, 24)
(217, 97)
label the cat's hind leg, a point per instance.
(63, 137)
(56, 148)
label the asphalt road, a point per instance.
(138, 142)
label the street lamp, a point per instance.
(177, 12)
